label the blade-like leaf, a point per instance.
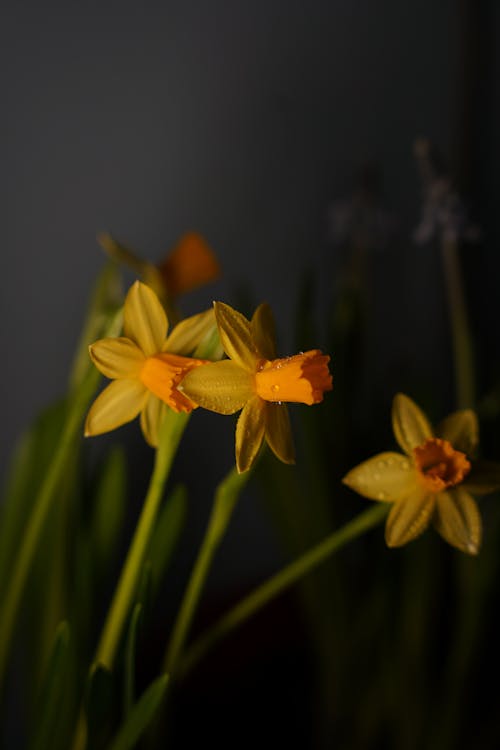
(130, 659)
(51, 696)
(140, 716)
(27, 470)
(100, 703)
(167, 533)
(106, 297)
(109, 505)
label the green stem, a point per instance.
(41, 508)
(460, 330)
(283, 580)
(225, 499)
(171, 433)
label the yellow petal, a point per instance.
(411, 426)
(189, 333)
(152, 417)
(144, 319)
(249, 433)
(119, 403)
(117, 358)
(279, 432)
(263, 331)
(409, 517)
(458, 520)
(387, 476)
(221, 386)
(461, 429)
(236, 336)
(483, 478)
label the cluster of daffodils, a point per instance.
(152, 372)
(432, 481)
(429, 483)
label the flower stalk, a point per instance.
(225, 500)
(276, 585)
(170, 434)
(460, 329)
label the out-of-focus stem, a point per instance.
(225, 500)
(281, 581)
(460, 331)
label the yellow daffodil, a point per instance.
(254, 380)
(432, 482)
(145, 365)
(189, 265)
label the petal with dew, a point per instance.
(458, 520)
(263, 331)
(250, 430)
(187, 334)
(387, 477)
(279, 432)
(223, 387)
(409, 517)
(152, 416)
(461, 429)
(117, 358)
(144, 319)
(236, 336)
(120, 402)
(411, 426)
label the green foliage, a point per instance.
(166, 534)
(140, 716)
(52, 705)
(110, 499)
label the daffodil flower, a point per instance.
(145, 365)
(254, 380)
(432, 481)
(189, 265)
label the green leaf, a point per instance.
(52, 693)
(140, 716)
(226, 496)
(28, 467)
(100, 705)
(105, 299)
(130, 658)
(109, 506)
(144, 595)
(167, 533)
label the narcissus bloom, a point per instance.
(145, 365)
(433, 481)
(189, 265)
(254, 380)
